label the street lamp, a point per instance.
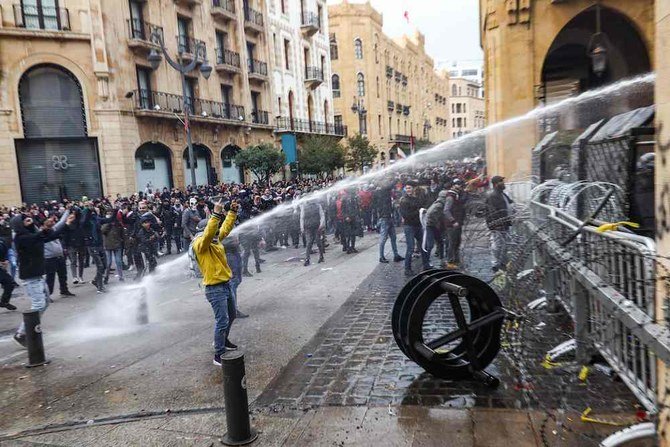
(155, 59)
(359, 108)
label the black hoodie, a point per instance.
(29, 243)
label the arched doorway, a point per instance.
(203, 163)
(230, 172)
(569, 68)
(153, 166)
(393, 154)
(290, 108)
(56, 158)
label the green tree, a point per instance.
(263, 160)
(321, 155)
(360, 153)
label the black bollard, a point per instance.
(235, 397)
(34, 342)
(143, 308)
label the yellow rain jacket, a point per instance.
(212, 257)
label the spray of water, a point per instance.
(117, 312)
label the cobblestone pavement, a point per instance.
(354, 360)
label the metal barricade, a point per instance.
(607, 283)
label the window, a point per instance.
(336, 86)
(464, 108)
(287, 54)
(377, 86)
(42, 14)
(333, 48)
(453, 122)
(319, 14)
(226, 94)
(453, 108)
(255, 103)
(191, 87)
(136, 20)
(323, 66)
(144, 87)
(363, 123)
(361, 84)
(390, 126)
(337, 119)
(458, 122)
(183, 40)
(465, 122)
(358, 48)
(379, 124)
(458, 108)
(453, 90)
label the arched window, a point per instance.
(336, 86)
(333, 48)
(453, 90)
(361, 84)
(358, 48)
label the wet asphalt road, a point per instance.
(103, 371)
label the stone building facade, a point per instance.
(386, 89)
(467, 106)
(83, 113)
(536, 52)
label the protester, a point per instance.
(54, 262)
(498, 220)
(454, 217)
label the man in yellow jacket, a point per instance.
(216, 274)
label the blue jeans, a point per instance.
(11, 257)
(412, 234)
(118, 260)
(387, 230)
(223, 305)
(36, 288)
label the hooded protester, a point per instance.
(29, 243)
(435, 225)
(189, 219)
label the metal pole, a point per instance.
(34, 342)
(187, 125)
(236, 401)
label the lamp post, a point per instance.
(598, 47)
(155, 60)
(359, 108)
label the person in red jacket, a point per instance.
(365, 199)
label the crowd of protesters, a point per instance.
(127, 235)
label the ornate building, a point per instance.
(84, 112)
(467, 106)
(538, 52)
(386, 89)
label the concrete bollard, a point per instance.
(34, 341)
(237, 404)
(143, 308)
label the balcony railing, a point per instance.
(405, 110)
(311, 19)
(226, 5)
(390, 105)
(44, 17)
(257, 67)
(260, 117)
(140, 30)
(398, 138)
(404, 80)
(287, 124)
(398, 76)
(389, 71)
(150, 100)
(253, 17)
(187, 45)
(227, 57)
(398, 108)
(313, 74)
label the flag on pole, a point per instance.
(406, 16)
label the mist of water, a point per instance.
(117, 312)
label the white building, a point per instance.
(470, 70)
(300, 70)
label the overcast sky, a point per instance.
(450, 26)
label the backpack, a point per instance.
(193, 267)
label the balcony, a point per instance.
(227, 61)
(310, 24)
(186, 47)
(286, 124)
(390, 105)
(187, 3)
(405, 110)
(223, 10)
(389, 71)
(404, 80)
(258, 71)
(398, 108)
(253, 21)
(313, 77)
(141, 35)
(261, 117)
(150, 103)
(398, 76)
(400, 139)
(46, 18)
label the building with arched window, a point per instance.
(388, 89)
(88, 116)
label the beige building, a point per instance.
(386, 89)
(536, 52)
(83, 112)
(467, 106)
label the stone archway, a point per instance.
(153, 166)
(230, 172)
(203, 165)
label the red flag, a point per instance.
(406, 16)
